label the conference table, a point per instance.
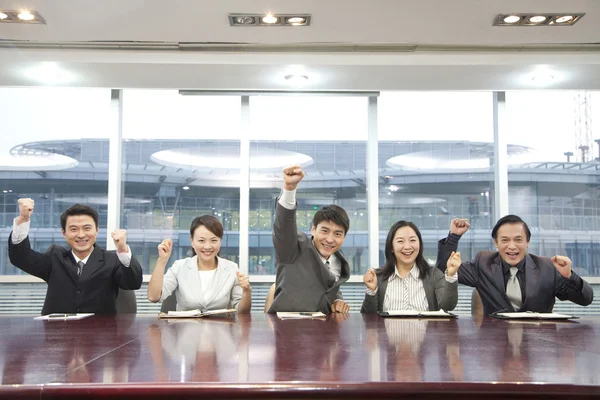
(260, 356)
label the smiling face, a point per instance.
(328, 237)
(80, 232)
(206, 244)
(511, 242)
(406, 246)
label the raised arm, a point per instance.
(285, 231)
(241, 294)
(569, 285)
(19, 249)
(369, 305)
(448, 245)
(446, 284)
(155, 286)
(129, 274)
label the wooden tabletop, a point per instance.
(260, 356)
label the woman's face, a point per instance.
(405, 246)
(205, 243)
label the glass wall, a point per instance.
(556, 187)
(180, 161)
(53, 149)
(327, 136)
(436, 153)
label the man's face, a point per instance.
(80, 233)
(511, 242)
(328, 237)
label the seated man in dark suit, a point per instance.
(84, 278)
(510, 279)
(310, 270)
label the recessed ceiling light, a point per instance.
(244, 20)
(563, 19)
(26, 16)
(536, 19)
(511, 19)
(296, 79)
(295, 20)
(3, 15)
(269, 19)
(186, 188)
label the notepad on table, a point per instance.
(531, 315)
(64, 317)
(195, 313)
(416, 314)
(301, 315)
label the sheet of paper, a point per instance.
(534, 315)
(301, 315)
(64, 317)
(440, 313)
(196, 313)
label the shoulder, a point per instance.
(540, 261)
(486, 256)
(435, 273)
(227, 264)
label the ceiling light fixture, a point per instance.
(296, 79)
(245, 20)
(186, 188)
(537, 19)
(21, 16)
(269, 19)
(26, 16)
(511, 19)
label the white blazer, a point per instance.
(183, 279)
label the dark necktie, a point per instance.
(80, 266)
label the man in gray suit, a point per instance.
(510, 279)
(310, 270)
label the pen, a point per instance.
(61, 315)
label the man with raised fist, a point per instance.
(84, 278)
(510, 279)
(311, 269)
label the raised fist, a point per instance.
(459, 226)
(120, 239)
(292, 175)
(26, 206)
(164, 249)
(370, 279)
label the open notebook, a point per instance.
(195, 313)
(416, 314)
(64, 317)
(301, 315)
(531, 315)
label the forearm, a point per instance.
(156, 280)
(245, 304)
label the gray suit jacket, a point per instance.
(542, 281)
(439, 292)
(302, 277)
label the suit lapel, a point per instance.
(93, 264)
(323, 270)
(532, 276)
(70, 265)
(430, 292)
(498, 276)
(221, 275)
(381, 293)
(193, 280)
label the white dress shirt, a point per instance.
(405, 293)
(20, 232)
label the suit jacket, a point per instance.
(95, 291)
(183, 279)
(542, 281)
(439, 293)
(302, 277)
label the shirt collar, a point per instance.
(520, 266)
(77, 259)
(331, 259)
(414, 272)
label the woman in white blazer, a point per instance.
(204, 281)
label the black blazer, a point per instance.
(542, 281)
(95, 291)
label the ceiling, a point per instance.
(350, 45)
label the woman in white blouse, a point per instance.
(406, 281)
(204, 281)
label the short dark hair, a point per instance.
(511, 219)
(211, 223)
(389, 267)
(332, 213)
(78, 209)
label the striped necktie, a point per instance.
(80, 266)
